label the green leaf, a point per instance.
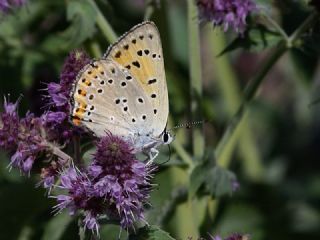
(219, 181)
(151, 233)
(197, 179)
(256, 39)
(216, 180)
(83, 17)
(57, 226)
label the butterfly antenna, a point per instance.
(190, 124)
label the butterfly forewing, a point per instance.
(107, 97)
(140, 52)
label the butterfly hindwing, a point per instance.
(107, 97)
(140, 52)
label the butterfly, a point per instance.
(125, 92)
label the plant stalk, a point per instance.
(248, 95)
(103, 24)
(149, 10)
(310, 21)
(254, 84)
(195, 76)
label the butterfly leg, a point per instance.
(153, 153)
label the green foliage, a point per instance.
(56, 227)
(82, 26)
(215, 180)
(255, 39)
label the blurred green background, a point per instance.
(275, 152)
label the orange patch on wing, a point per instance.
(87, 82)
(84, 106)
(76, 120)
(141, 67)
(82, 92)
(80, 100)
(80, 111)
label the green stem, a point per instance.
(275, 25)
(183, 154)
(77, 150)
(104, 25)
(82, 234)
(310, 21)
(95, 49)
(254, 84)
(231, 94)
(149, 10)
(148, 13)
(177, 196)
(195, 75)
(247, 97)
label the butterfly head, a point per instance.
(167, 137)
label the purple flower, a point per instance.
(57, 126)
(235, 185)
(9, 120)
(30, 142)
(91, 222)
(238, 236)
(7, 5)
(234, 236)
(59, 93)
(123, 180)
(115, 184)
(226, 13)
(216, 237)
(48, 174)
(26, 138)
(55, 92)
(55, 117)
(80, 195)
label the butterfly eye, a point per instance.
(165, 137)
